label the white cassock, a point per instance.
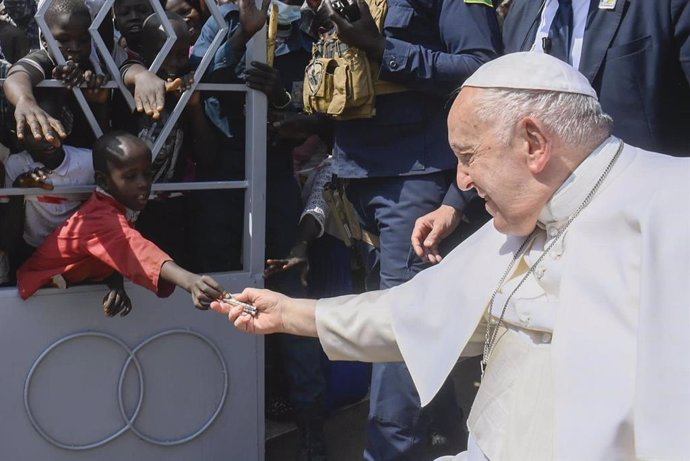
(593, 362)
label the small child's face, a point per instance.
(176, 64)
(129, 178)
(129, 17)
(72, 34)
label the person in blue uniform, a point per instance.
(398, 166)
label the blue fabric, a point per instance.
(637, 57)
(561, 31)
(388, 207)
(431, 47)
(225, 56)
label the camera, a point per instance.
(346, 8)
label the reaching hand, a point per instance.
(149, 93)
(69, 73)
(269, 305)
(204, 289)
(179, 84)
(266, 79)
(252, 19)
(94, 92)
(42, 125)
(362, 33)
(296, 260)
(116, 301)
(431, 229)
(34, 178)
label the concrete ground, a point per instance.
(344, 432)
(345, 429)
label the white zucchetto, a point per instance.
(531, 71)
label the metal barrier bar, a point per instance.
(157, 187)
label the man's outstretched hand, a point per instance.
(269, 317)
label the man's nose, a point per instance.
(464, 179)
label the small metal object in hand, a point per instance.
(248, 308)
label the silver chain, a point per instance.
(493, 325)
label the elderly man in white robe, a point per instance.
(577, 293)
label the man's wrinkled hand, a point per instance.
(117, 301)
(37, 177)
(431, 229)
(269, 317)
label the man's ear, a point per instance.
(538, 144)
(101, 181)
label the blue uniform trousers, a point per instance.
(388, 207)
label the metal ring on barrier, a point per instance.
(129, 421)
(107, 439)
(203, 428)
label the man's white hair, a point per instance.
(576, 118)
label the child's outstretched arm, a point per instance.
(203, 288)
(117, 300)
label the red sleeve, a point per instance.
(124, 249)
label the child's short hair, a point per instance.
(152, 31)
(109, 147)
(71, 7)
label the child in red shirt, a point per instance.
(99, 243)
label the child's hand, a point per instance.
(94, 92)
(179, 84)
(116, 301)
(94, 81)
(69, 73)
(42, 125)
(204, 290)
(34, 178)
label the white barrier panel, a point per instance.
(166, 382)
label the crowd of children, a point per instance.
(162, 240)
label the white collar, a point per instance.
(130, 214)
(574, 190)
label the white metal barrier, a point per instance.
(167, 381)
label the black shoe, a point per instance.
(311, 442)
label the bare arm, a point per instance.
(203, 288)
